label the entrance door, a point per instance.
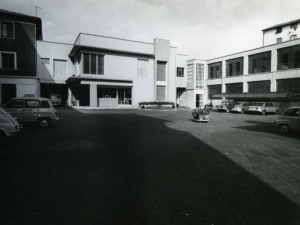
(15, 108)
(9, 91)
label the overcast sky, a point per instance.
(201, 29)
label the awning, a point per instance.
(99, 81)
(273, 96)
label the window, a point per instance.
(288, 58)
(160, 93)
(259, 86)
(45, 105)
(278, 30)
(279, 40)
(259, 63)
(190, 75)
(292, 112)
(291, 85)
(45, 60)
(199, 75)
(161, 71)
(234, 67)
(180, 72)
(214, 89)
(93, 64)
(215, 70)
(16, 103)
(142, 70)
(294, 26)
(234, 88)
(8, 60)
(293, 37)
(269, 105)
(32, 103)
(7, 30)
(60, 68)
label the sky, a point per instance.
(201, 29)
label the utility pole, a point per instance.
(35, 41)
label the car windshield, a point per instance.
(238, 104)
(257, 104)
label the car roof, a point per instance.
(294, 107)
(37, 98)
(55, 94)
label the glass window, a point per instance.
(8, 60)
(180, 72)
(86, 63)
(292, 112)
(260, 63)
(291, 85)
(15, 103)
(45, 104)
(199, 75)
(32, 103)
(214, 89)
(215, 70)
(93, 64)
(288, 58)
(234, 67)
(234, 88)
(60, 68)
(259, 86)
(278, 30)
(161, 71)
(7, 30)
(279, 40)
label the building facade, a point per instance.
(18, 35)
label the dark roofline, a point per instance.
(15, 13)
(282, 24)
(112, 38)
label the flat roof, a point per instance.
(282, 24)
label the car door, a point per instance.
(31, 109)
(15, 108)
(269, 107)
(293, 118)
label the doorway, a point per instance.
(9, 91)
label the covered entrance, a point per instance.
(8, 91)
(61, 89)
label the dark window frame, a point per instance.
(259, 63)
(215, 70)
(10, 29)
(278, 30)
(235, 67)
(180, 72)
(98, 62)
(9, 63)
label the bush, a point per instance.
(198, 112)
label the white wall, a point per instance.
(53, 51)
(270, 36)
(181, 62)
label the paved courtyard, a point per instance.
(150, 167)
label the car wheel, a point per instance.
(242, 111)
(44, 122)
(284, 129)
(277, 112)
(263, 112)
(228, 110)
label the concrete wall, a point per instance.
(53, 51)
(270, 36)
(171, 89)
(97, 41)
(181, 62)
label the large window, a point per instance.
(59, 68)
(161, 71)
(289, 85)
(214, 89)
(234, 67)
(122, 94)
(7, 30)
(8, 60)
(142, 70)
(288, 58)
(234, 88)
(259, 86)
(93, 64)
(215, 70)
(180, 72)
(199, 75)
(190, 69)
(259, 63)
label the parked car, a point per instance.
(55, 99)
(226, 105)
(9, 126)
(263, 108)
(32, 109)
(240, 107)
(290, 120)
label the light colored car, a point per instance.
(263, 108)
(32, 109)
(290, 120)
(226, 105)
(55, 99)
(241, 107)
(9, 126)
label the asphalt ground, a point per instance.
(150, 167)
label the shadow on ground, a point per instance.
(129, 169)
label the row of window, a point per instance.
(287, 58)
(283, 85)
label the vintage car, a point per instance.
(32, 109)
(9, 126)
(290, 120)
(240, 107)
(55, 99)
(226, 105)
(263, 108)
